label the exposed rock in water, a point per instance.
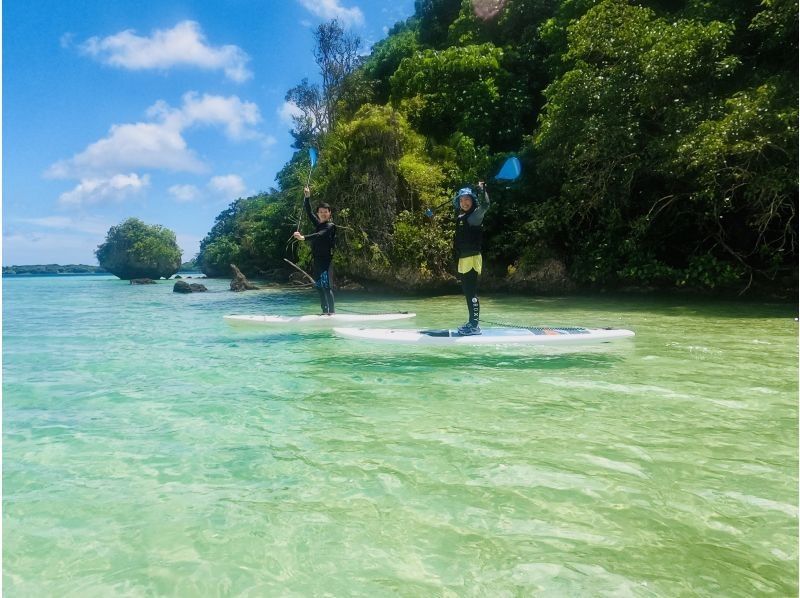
(142, 281)
(239, 282)
(350, 285)
(299, 279)
(185, 287)
(178, 277)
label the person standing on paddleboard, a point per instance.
(470, 210)
(322, 242)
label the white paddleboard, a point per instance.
(314, 319)
(490, 336)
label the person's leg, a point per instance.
(329, 290)
(323, 300)
(320, 277)
(469, 283)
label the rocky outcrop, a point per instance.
(185, 287)
(142, 281)
(239, 282)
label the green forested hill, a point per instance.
(51, 269)
(658, 141)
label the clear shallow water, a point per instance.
(151, 449)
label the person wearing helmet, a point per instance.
(470, 210)
(323, 241)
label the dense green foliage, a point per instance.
(190, 266)
(658, 138)
(51, 269)
(134, 249)
(252, 234)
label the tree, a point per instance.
(744, 163)
(336, 53)
(134, 249)
(658, 140)
(386, 56)
(435, 17)
(218, 255)
(464, 89)
(313, 119)
(252, 233)
(379, 179)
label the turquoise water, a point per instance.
(150, 449)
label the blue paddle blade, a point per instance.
(510, 171)
(312, 155)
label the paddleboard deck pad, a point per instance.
(314, 319)
(489, 336)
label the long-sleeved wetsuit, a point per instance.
(322, 242)
(467, 245)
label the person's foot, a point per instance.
(469, 329)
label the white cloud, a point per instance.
(95, 190)
(68, 240)
(287, 110)
(268, 141)
(138, 145)
(40, 248)
(230, 186)
(184, 193)
(183, 45)
(331, 9)
(83, 225)
(160, 144)
(230, 112)
(66, 40)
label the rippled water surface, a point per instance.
(151, 449)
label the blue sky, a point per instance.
(163, 110)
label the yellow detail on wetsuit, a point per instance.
(473, 262)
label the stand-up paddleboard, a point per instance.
(314, 319)
(489, 336)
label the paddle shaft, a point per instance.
(299, 269)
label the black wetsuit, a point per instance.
(322, 242)
(467, 243)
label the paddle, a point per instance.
(312, 158)
(299, 269)
(509, 171)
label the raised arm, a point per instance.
(307, 206)
(476, 218)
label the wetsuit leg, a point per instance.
(324, 283)
(469, 283)
(328, 289)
